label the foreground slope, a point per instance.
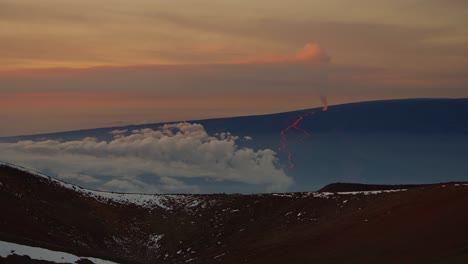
(418, 224)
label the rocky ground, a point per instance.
(342, 223)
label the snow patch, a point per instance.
(321, 194)
(283, 195)
(153, 241)
(373, 192)
(7, 249)
(327, 195)
(220, 255)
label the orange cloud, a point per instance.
(310, 53)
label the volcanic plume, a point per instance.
(324, 101)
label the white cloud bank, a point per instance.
(171, 154)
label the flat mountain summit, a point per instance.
(378, 142)
(428, 116)
(343, 223)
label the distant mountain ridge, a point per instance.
(407, 141)
(359, 187)
(401, 115)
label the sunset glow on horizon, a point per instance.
(120, 62)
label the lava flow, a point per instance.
(285, 143)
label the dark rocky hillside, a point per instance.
(343, 223)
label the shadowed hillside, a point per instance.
(423, 224)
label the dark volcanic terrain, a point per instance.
(343, 223)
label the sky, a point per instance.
(67, 65)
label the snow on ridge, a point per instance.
(30, 171)
(289, 195)
(373, 192)
(326, 195)
(144, 200)
(321, 194)
(302, 195)
(165, 201)
(37, 253)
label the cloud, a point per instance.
(88, 179)
(310, 53)
(121, 185)
(118, 132)
(172, 154)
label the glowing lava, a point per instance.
(285, 142)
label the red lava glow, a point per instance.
(285, 142)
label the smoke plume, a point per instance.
(324, 101)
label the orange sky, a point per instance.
(71, 65)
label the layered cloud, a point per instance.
(149, 160)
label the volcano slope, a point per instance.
(344, 223)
